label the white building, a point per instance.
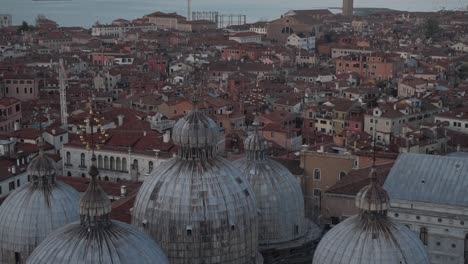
(428, 195)
(119, 30)
(246, 37)
(5, 20)
(302, 41)
(457, 120)
(460, 46)
(259, 28)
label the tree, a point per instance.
(431, 27)
(25, 27)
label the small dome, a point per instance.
(118, 243)
(35, 210)
(371, 237)
(373, 197)
(96, 238)
(197, 205)
(195, 130)
(364, 240)
(279, 196)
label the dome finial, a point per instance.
(255, 145)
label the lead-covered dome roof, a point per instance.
(34, 210)
(198, 206)
(279, 196)
(96, 238)
(371, 237)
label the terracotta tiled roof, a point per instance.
(355, 180)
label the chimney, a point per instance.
(123, 191)
(120, 119)
(166, 137)
(18, 162)
(53, 131)
(13, 169)
(144, 133)
(17, 126)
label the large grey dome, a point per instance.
(371, 237)
(279, 196)
(36, 209)
(197, 205)
(96, 238)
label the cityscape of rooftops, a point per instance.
(249, 132)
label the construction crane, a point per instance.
(63, 95)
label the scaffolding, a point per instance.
(221, 20)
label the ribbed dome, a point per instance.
(279, 196)
(199, 210)
(96, 238)
(36, 209)
(370, 240)
(373, 197)
(118, 243)
(195, 134)
(371, 237)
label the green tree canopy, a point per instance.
(431, 27)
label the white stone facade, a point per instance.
(5, 20)
(443, 229)
(113, 165)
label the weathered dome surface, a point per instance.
(279, 196)
(96, 238)
(364, 240)
(117, 243)
(371, 237)
(195, 130)
(197, 205)
(36, 209)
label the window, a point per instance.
(68, 156)
(124, 164)
(342, 175)
(112, 163)
(423, 235)
(106, 163)
(317, 174)
(18, 182)
(150, 167)
(317, 192)
(118, 164)
(61, 138)
(17, 258)
(83, 161)
(99, 162)
(11, 185)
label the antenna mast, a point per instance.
(63, 95)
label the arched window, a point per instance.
(68, 157)
(69, 174)
(83, 161)
(99, 162)
(112, 163)
(135, 164)
(124, 164)
(118, 164)
(106, 163)
(150, 167)
(83, 175)
(317, 174)
(423, 235)
(342, 175)
(106, 178)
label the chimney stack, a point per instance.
(123, 191)
(13, 169)
(17, 126)
(120, 119)
(166, 137)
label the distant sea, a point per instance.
(86, 12)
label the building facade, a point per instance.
(427, 195)
(5, 20)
